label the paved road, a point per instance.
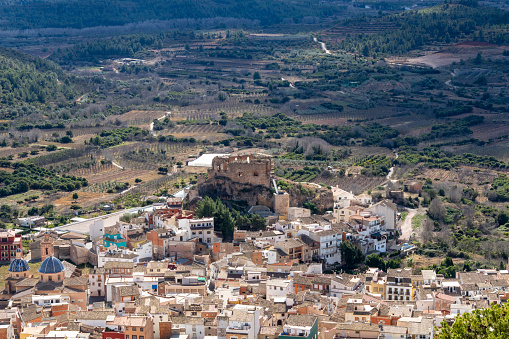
(406, 226)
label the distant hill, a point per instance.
(28, 79)
(441, 24)
(90, 13)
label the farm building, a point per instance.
(205, 160)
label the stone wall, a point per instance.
(165, 329)
(182, 249)
(247, 169)
(281, 204)
(79, 255)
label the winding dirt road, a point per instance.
(406, 226)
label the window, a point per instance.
(135, 337)
(142, 337)
(127, 329)
(141, 330)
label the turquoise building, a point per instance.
(114, 238)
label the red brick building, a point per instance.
(113, 335)
(9, 242)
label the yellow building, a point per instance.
(375, 282)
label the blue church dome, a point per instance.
(19, 265)
(51, 265)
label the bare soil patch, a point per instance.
(455, 53)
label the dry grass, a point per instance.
(137, 115)
(116, 174)
(4, 271)
(85, 199)
(422, 262)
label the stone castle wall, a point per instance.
(247, 169)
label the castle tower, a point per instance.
(281, 204)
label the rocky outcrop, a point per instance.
(321, 197)
(225, 188)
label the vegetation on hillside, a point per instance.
(435, 157)
(489, 323)
(226, 219)
(442, 24)
(91, 13)
(27, 79)
(28, 176)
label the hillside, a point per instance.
(28, 79)
(90, 13)
(438, 25)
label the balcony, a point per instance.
(238, 329)
(295, 335)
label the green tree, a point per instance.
(351, 254)
(65, 139)
(257, 222)
(374, 260)
(478, 59)
(75, 196)
(365, 50)
(223, 220)
(486, 323)
(393, 263)
(256, 76)
(205, 208)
